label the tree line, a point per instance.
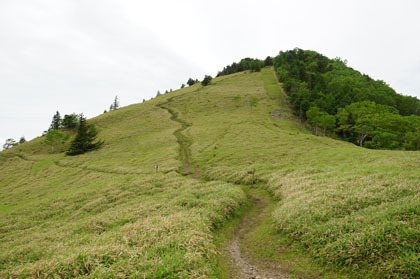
(337, 100)
(190, 82)
(246, 64)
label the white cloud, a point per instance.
(75, 56)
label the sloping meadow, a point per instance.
(353, 208)
(107, 214)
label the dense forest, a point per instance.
(340, 101)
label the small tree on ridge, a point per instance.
(85, 139)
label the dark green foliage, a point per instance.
(85, 138)
(368, 112)
(333, 85)
(268, 61)
(254, 65)
(378, 126)
(115, 105)
(320, 120)
(22, 140)
(182, 85)
(56, 121)
(70, 120)
(206, 81)
(191, 82)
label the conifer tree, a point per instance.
(85, 139)
(191, 82)
(206, 81)
(22, 140)
(56, 121)
(115, 105)
(69, 120)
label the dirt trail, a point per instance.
(241, 263)
(244, 265)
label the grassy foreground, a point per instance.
(352, 208)
(106, 214)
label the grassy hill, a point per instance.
(107, 214)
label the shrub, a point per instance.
(206, 81)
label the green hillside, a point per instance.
(107, 214)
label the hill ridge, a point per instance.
(333, 200)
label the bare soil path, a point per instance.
(245, 266)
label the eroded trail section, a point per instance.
(183, 141)
(244, 265)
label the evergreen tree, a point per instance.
(56, 121)
(158, 94)
(70, 120)
(115, 105)
(191, 82)
(22, 140)
(206, 81)
(182, 85)
(85, 139)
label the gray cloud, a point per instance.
(75, 56)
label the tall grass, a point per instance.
(106, 214)
(353, 208)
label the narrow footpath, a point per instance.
(242, 263)
(242, 247)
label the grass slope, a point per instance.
(355, 208)
(107, 214)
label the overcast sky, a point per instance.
(76, 55)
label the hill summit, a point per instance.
(112, 213)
